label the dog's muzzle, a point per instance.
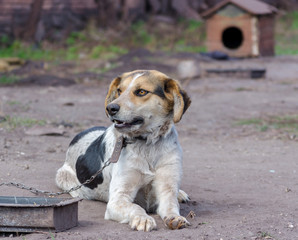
(113, 108)
(127, 124)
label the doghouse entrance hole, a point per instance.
(232, 37)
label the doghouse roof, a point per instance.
(254, 7)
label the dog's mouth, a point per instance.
(124, 124)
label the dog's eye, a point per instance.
(141, 92)
(119, 91)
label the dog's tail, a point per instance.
(66, 179)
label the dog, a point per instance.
(143, 105)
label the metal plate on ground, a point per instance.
(33, 214)
(253, 73)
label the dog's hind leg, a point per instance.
(66, 179)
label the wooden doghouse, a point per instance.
(241, 28)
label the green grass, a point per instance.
(72, 53)
(183, 36)
(140, 34)
(8, 79)
(285, 123)
(52, 236)
(294, 20)
(104, 69)
(193, 25)
(92, 43)
(76, 37)
(12, 103)
(18, 105)
(286, 50)
(23, 51)
(4, 40)
(12, 122)
(191, 37)
(108, 52)
(242, 89)
(69, 53)
(182, 46)
(265, 235)
(251, 121)
(286, 34)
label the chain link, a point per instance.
(53, 194)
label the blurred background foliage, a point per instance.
(185, 32)
(92, 43)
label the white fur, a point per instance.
(151, 168)
(148, 172)
(129, 104)
(134, 79)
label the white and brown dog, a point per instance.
(143, 105)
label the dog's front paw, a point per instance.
(176, 222)
(142, 223)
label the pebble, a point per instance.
(290, 225)
(51, 150)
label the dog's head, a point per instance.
(140, 101)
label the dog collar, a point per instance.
(133, 140)
(122, 142)
(117, 149)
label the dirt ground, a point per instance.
(242, 181)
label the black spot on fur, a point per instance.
(159, 92)
(82, 134)
(91, 161)
(186, 100)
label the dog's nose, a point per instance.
(113, 108)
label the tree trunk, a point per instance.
(133, 10)
(32, 22)
(184, 10)
(107, 13)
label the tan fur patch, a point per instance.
(112, 91)
(170, 97)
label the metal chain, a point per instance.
(52, 194)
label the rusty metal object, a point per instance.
(33, 214)
(237, 73)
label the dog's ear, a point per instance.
(112, 93)
(179, 97)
